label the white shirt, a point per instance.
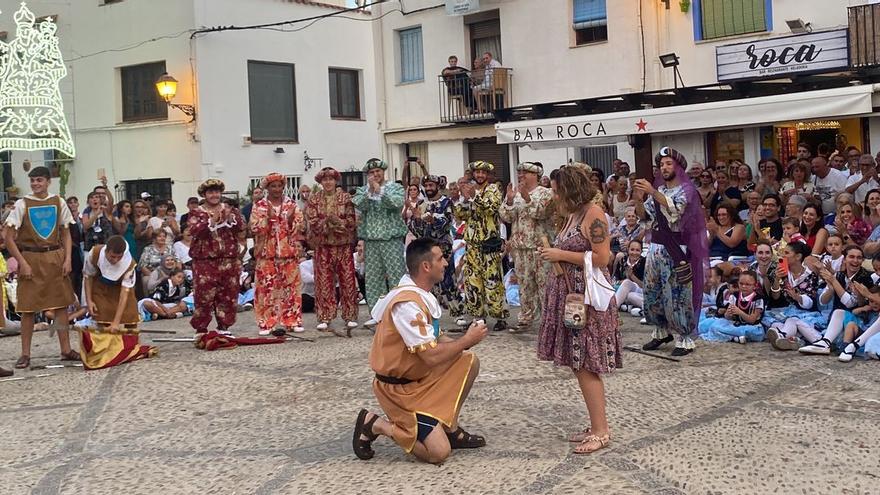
(16, 216)
(111, 271)
(862, 191)
(181, 252)
(829, 187)
(415, 328)
(307, 275)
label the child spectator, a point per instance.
(742, 313)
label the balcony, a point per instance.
(864, 35)
(474, 96)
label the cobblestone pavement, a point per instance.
(278, 419)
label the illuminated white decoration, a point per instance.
(31, 109)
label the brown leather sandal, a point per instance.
(460, 439)
(579, 436)
(592, 443)
(70, 356)
(363, 449)
(23, 362)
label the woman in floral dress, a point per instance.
(594, 350)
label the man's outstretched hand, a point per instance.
(476, 332)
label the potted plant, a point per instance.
(685, 5)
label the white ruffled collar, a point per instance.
(111, 271)
(406, 283)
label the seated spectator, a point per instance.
(631, 229)
(724, 192)
(833, 256)
(707, 188)
(864, 180)
(753, 201)
(711, 290)
(831, 216)
(456, 79)
(811, 228)
(863, 334)
(799, 183)
(827, 181)
(745, 178)
(790, 233)
(795, 206)
(162, 273)
(799, 287)
(765, 267)
(181, 250)
(871, 208)
(694, 170)
(771, 173)
(511, 287)
(629, 275)
(152, 256)
(727, 234)
(167, 300)
(841, 288)
(739, 319)
(851, 226)
(617, 197)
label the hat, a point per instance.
(146, 195)
(533, 167)
(40, 171)
(272, 177)
(328, 172)
(211, 184)
(430, 178)
(671, 153)
(374, 163)
(480, 165)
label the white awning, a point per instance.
(586, 129)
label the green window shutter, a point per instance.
(732, 17)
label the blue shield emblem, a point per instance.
(44, 219)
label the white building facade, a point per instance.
(289, 99)
(562, 56)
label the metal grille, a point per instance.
(158, 189)
(864, 35)
(291, 185)
(599, 157)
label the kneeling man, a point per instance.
(422, 376)
(109, 282)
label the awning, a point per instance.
(584, 129)
(456, 133)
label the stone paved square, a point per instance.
(278, 419)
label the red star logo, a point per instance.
(642, 125)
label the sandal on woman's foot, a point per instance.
(23, 362)
(592, 443)
(70, 356)
(363, 448)
(460, 439)
(579, 436)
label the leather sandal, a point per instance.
(460, 439)
(579, 436)
(23, 362)
(5, 372)
(363, 448)
(592, 443)
(70, 356)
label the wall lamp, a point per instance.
(671, 60)
(798, 26)
(167, 88)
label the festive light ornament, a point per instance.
(31, 108)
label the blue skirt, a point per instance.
(872, 347)
(723, 330)
(818, 319)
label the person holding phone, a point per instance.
(799, 287)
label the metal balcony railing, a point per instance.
(864, 35)
(470, 96)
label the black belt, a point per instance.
(392, 380)
(38, 249)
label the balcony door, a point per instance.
(485, 36)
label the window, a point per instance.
(412, 67)
(486, 37)
(719, 18)
(272, 93)
(291, 185)
(158, 188)
(345, 94)
(140, 100)
(415, 152)
(590, 21)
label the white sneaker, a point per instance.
(637, 312)
(264, 331)
(643, 321)
(461, 322)
(352, 324)
(848, 353)
(818, 347)
(741, 339)
(624, 308)
(298, 329)
(322, 326)
(362, 302)
(370, 323)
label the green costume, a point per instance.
(383, 230)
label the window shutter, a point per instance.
(732, 17)
(485, 29)
(589, 13)
(411, 64)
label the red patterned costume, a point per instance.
(216, 264)
(277, 235)
(331, 227)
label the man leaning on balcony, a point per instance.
(488, 84)
(457, 82)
